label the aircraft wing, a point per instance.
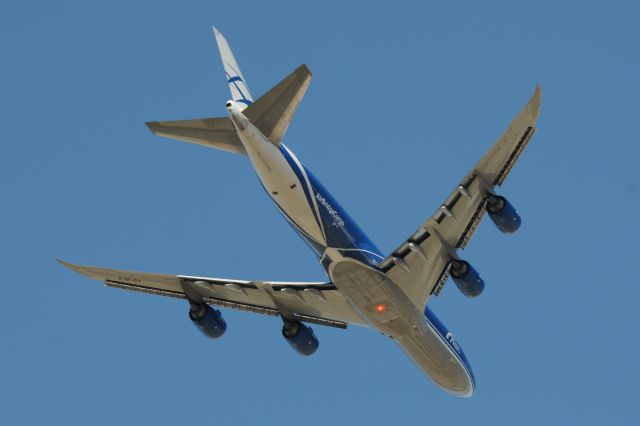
(420, 266)
(312, 302)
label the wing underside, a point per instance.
(420, 265)
(312, 302)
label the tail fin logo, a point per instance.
(239, 87)
(237, 84)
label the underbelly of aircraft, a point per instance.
(385, 307)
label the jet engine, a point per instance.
(208, 320)
(503, 214)
(466, 278)
(300, 337)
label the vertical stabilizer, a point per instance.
(237, 84)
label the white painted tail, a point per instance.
(237, 84)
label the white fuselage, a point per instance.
(278, 178)
(374, 297)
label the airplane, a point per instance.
(387, 293)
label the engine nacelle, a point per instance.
(466, 278)
(300, 337)
(208, 320)
(503, 214)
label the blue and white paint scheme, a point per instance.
(237, 84)
(388, 293)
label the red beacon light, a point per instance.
(380, 308)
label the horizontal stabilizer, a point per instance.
(212, 132)
(273, 111)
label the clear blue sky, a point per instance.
(405, 98)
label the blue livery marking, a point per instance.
(232, 80)
(339, 229)
(447, 337)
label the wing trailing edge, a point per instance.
(313, 302)
(421, 264)
(500, 159)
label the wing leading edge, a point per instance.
(420, 265)
(312, 302)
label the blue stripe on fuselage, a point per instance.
(449, 340)
(316, 246)
(340, 229)
(303, 182)
(343, 233)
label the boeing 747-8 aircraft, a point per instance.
(388, 293)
